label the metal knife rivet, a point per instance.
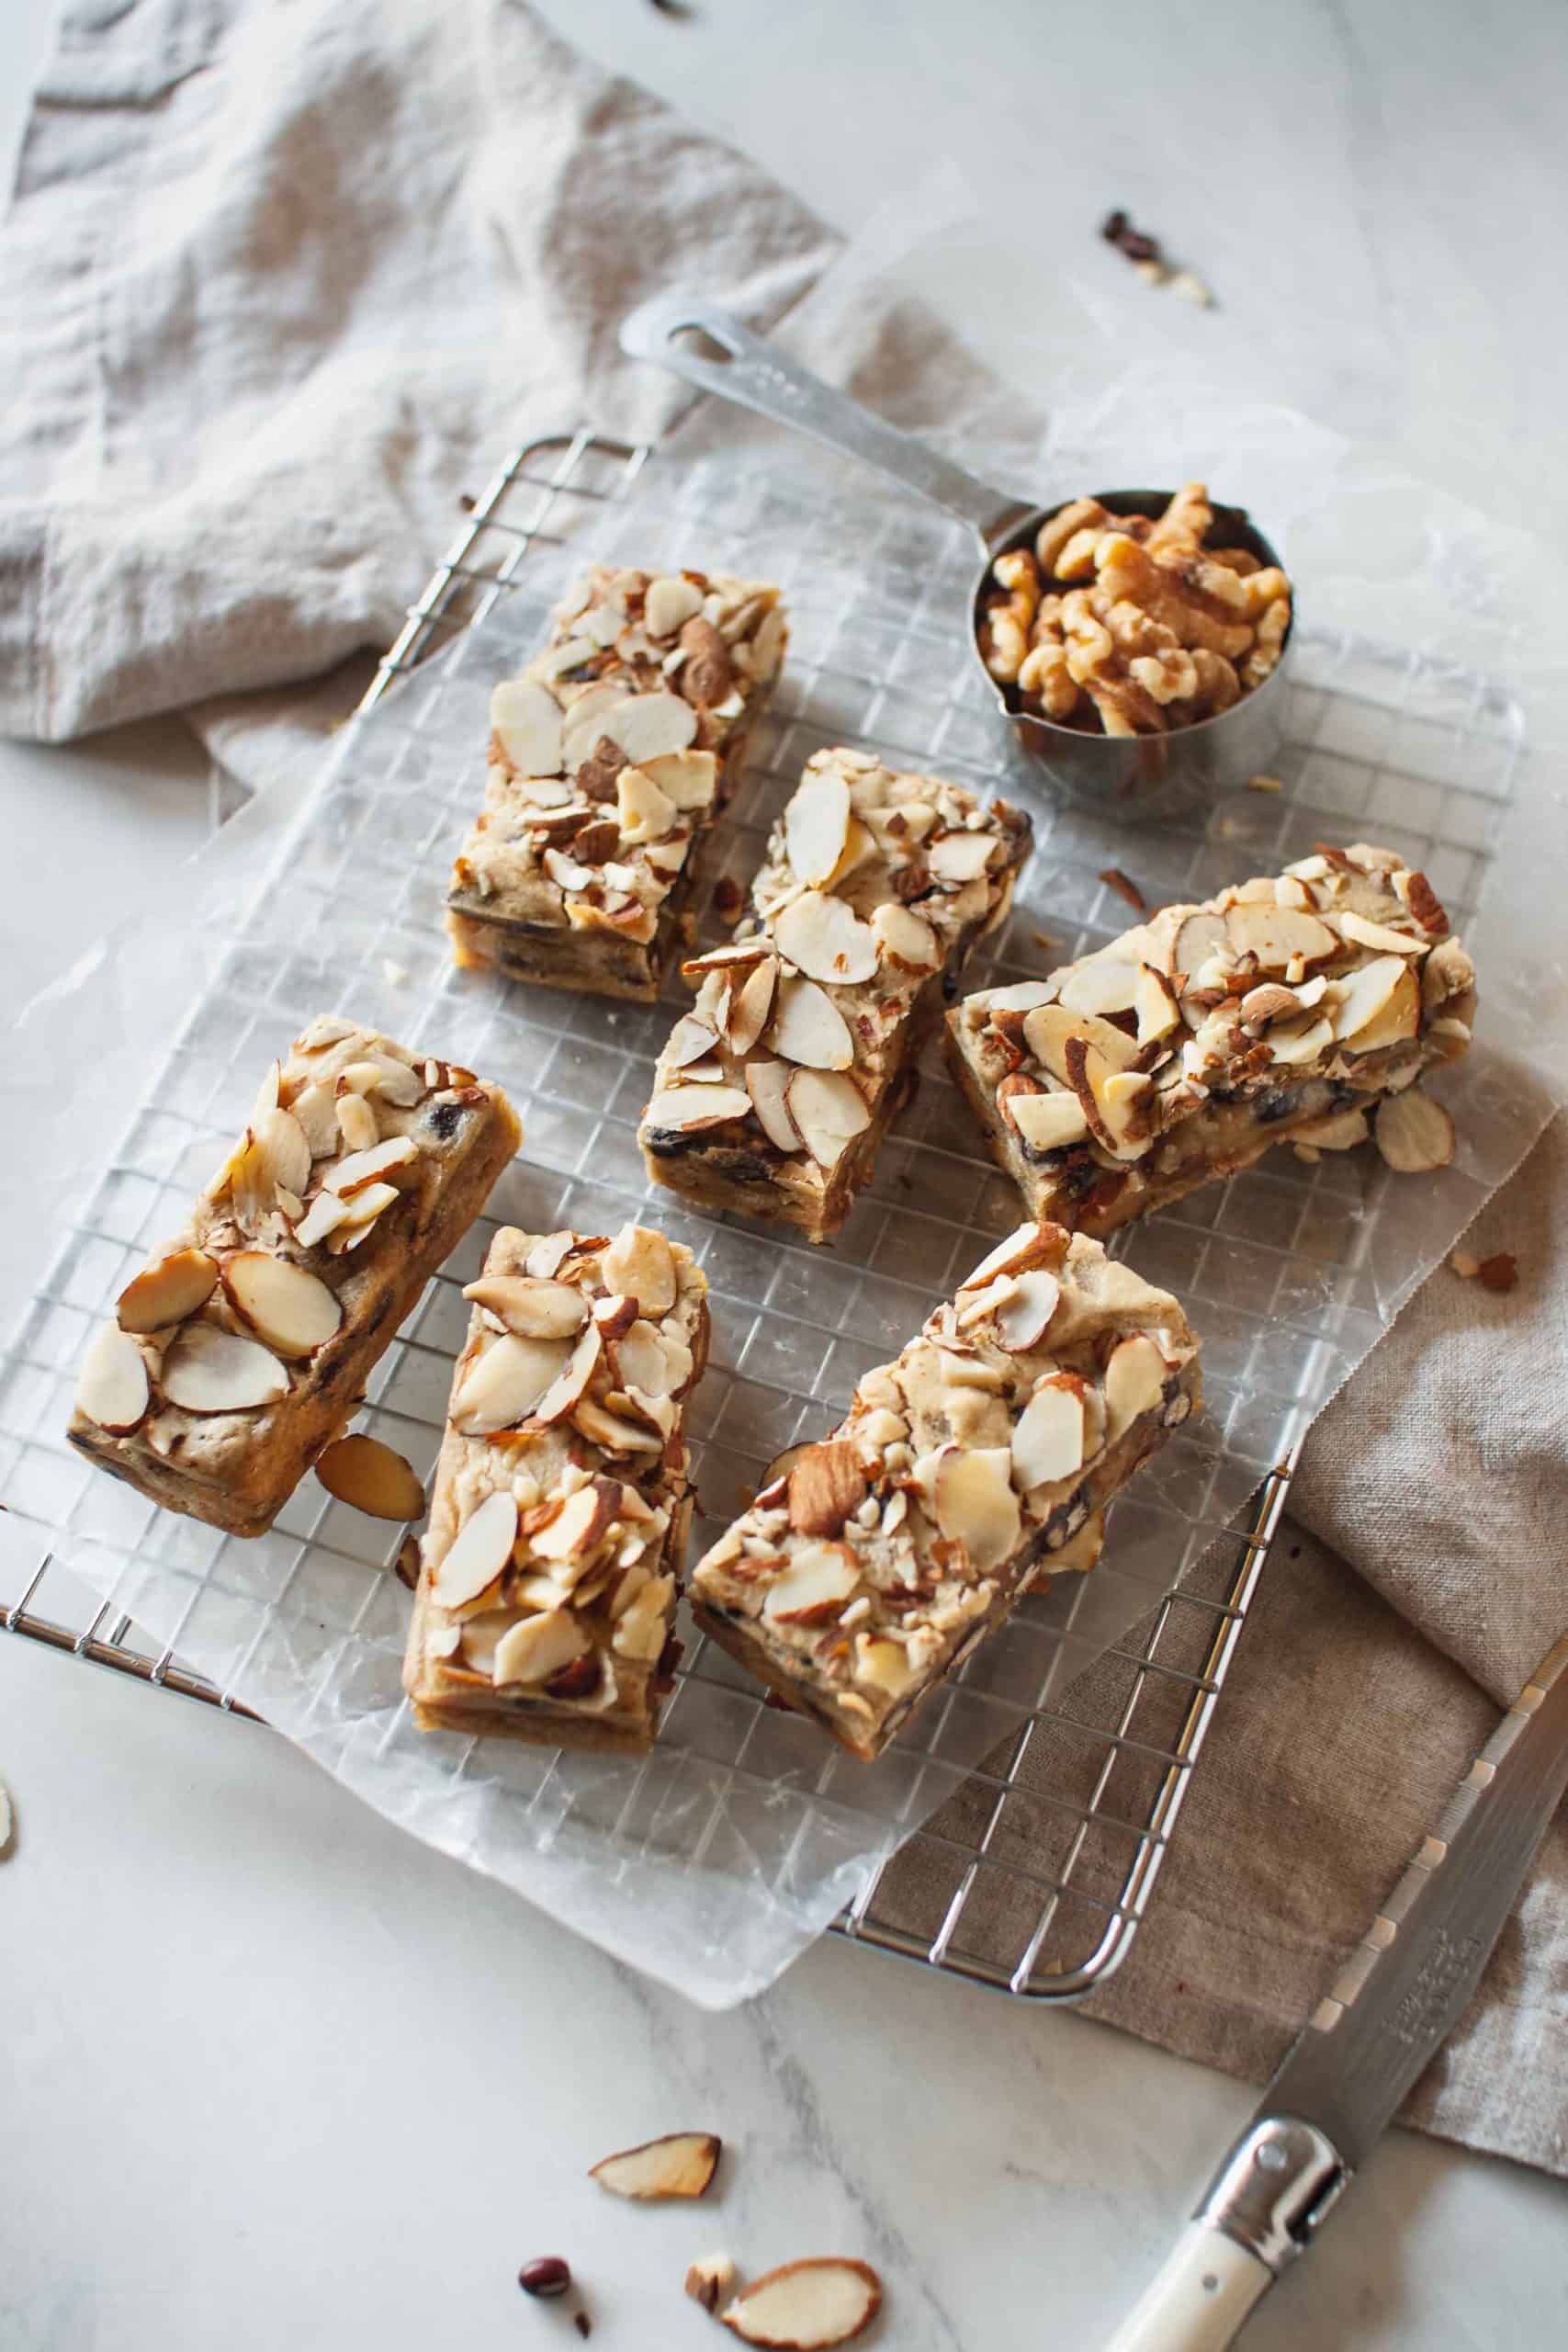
(1271, 2157)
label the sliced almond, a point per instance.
(826, 1484)
(289, 1308)
(360, 1212)
(1276, 935)
(680, 2165)
(614, 1434)
(657, 1362)
(816, 826)
(1027, 1245)
(527, 720)
(884, 1664)
(974, 1500)
(1413, 1133)
(683, 1109)
(537, 1648)
(1135, 1375)
(504, 1384)
(750, 1004)
(687, 779)
(1047, 1122)
(1297, 1043)
(809, 1029)
(1397, 1018)
(807, 2306)
(827, 940)
(166, 1291)
(325, 1214)
(1050, 1026)
(1341, 1131)
(315, 1107)
(728, 959)
(211, 1371)
(570, 1383)
(479, 1556)
(960, 857)
(1023, 1317)
(829, 1110)
(113, 1389)
(1155, 1006)
(670, 601)
(643, 813)
(533, 1309)
(690, 1041)
(581, 1523)
(582, 726)
(372, 1477)
(646, 727)
(765, 1085)
(640, 1264)
(370, 1167)
(905, 939)
(1364, 932)
(1196, 940)
(642, 1628)
(1049, 1436)
(711, 2280)
(1101, 984)
(356, 1123)
(813, 1587)
(281, 1146)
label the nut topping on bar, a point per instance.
(873, 886)
(1279, 1011)
(547, 1588)
(875, 1560)
(607, 757)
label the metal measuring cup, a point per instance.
(1118, 775)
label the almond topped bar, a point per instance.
(975, 1463)
(1281, 1011)
(244, 1344)
(546, 1588)
(773, 1092)
(609, 757)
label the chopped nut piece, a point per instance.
(711, 2280)
(1125, 888)
(1500, 1272)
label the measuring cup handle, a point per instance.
(755, 375)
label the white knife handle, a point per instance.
(1200, 2301)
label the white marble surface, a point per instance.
(277, 2075)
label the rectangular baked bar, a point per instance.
(773, 1092)
(964, 1471)
(244, 1344)
(609, 758)
(548, 1577)
(1284, 1010)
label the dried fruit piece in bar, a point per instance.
(1281, 1010)
(242, 1347)
(609, 758)
(773, 1092)
(982, 1458)
(548, 1583)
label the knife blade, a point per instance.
(1389, 2009)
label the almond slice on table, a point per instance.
(826, 939)
(503, 1385)
(1135, 1375)
(526, 720)
(687, 1109)
(972, 1495)
(905, 939)
(530, 1308)
(1048, 1439)
(1413, 1133)
(291, 1309)
(817, 828)
(647, 725)
(680, 2164)
(479, 1556)
(113, 1390)
(570, 1383)
(1023, 1316)
(166, 1291)
(361, 1168)
(829, 1110)
(640, 1264)
(766, 1083)
(1047, 1121)
(212, 1370)
(809, 1029)
(807, 2306)
(371, 1477)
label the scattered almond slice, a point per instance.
(809, 1029)
(570, 1383)
(478, 1557)
(711, 2280)
(1048, 1437)
(961, 857)
(750, 1004)
(1414, 1133)
(812, 1588)
(292, 1310)
(1023, 1317)
(113, 1389)
(680, 2165)
(646, 727)
(817, 825)
(357, 1124)
(527, 720)
(1367, 994)
(765, 1086)
(1050, 1027)
(530, 1308)
(1275, 934)
(282, 1150)
(1027, 1245)
(827, 940)
(324, 1215)
(643, 813)
(687, 779)
(685, 1109)
(640, 1264)
(212, 1370)
(502, 1386)
(1135, 1382)
(1101, 984)
(315, 1107)
(669, 603)
(535, 1648)
(1363, 932)
(359, 1167)
(807, 2306)
(1339, 1131)
(166, 1291)
(905, 939)
(829, 1110)
(691, 1040)
(974, 1503)
(1047, 1122)
(640, 1635)
(372, 1477)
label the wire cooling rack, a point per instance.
(1035, 1870)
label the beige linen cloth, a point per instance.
(276, 282)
